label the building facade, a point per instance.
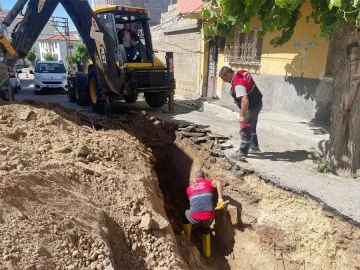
(48, 30)
(57, 45)
(295, 78)
(184, 38)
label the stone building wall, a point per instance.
(184, 38)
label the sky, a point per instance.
(59, 11)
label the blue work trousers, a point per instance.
(248, 136)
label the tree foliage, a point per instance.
(276, 15)
(81, 54)
(31, 56)
(49, 57)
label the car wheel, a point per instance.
(71, 94)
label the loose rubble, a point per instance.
(84, 193)
(77, 195)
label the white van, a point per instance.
(50, 76)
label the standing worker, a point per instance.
(127, 38)
(248, 98)
(202, 210)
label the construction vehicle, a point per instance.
(111, 75)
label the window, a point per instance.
(50, 68)
(246, 49)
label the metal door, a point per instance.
(212, 78)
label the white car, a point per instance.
(50, 76)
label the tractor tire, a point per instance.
(96, 93)
(156, 99)
(81, 89)
(130, 98)
(7, 92)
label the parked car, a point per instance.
(14, 79)
(49, 76)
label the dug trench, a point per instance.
(84, 193)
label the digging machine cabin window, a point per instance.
(246, 49)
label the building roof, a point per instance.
(59, 37)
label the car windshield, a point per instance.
(50, 68)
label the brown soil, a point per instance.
(75, 194)
(80, 193)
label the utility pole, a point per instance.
(61, 24)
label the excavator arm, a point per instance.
(97, 40)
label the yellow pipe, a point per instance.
(206, 244)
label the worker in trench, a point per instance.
(202, 208)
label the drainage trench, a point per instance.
(104, 199)
(263, 228)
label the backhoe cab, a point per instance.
(142, 71)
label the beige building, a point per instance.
(183, 37)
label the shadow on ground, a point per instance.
(288, 156)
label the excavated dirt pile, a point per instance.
(84, 193)
(75, 194)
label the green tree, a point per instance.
(338, 20)
(49, 57)
(278, 15)
(31, 57)
(81, 55)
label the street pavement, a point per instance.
(289, 147)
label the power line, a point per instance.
(187, 51)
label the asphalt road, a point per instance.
(27, 92)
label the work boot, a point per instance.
(239, 156)
(187, 230)
(254, 151)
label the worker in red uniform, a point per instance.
(202, 209)
(248, 98)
